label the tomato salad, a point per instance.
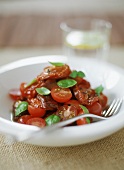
(56, 94)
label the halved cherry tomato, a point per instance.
(74, 103)
(23, 119)
(55, 72)
(61, 95)
(103, 100)
(66, 112)
(15, 94)
(36, 121)
(36, 111)
(82, 121)
(83, 82)
(95, 108)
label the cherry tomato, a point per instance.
(95, 108)
(83, 82)
(36, 121)
(30, 92)
(36, 111)
(82, 121)
(103, 100)
(15, 94)
(66, 112)
(23, 119)
(61, 95)
(74, 103)
(85, 96)
(55, 72)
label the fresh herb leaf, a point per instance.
(66, 83)
(30, 83)
(43, 91)
(85, 110)
(99, 90)
(73, 74)
(56, 63)
(52, 119)
(80, 74)
(23, 106)
(88, 120)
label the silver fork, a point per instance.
(113, 109)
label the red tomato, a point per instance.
(36, 111)
(23, 119)
(55, 72)
(103, 100)
(66, 112)
(15, 94)
(95, 108)
(74, 103)
(84, 120)
(36, 121)
(83, 82)
(85, 96)
(61, 95)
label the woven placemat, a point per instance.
(105, 154)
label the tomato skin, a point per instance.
(15, 94)
(36, 121)
(54, 72)
(66, 112)
(83, 82)
(61, 95)
(36, 112)
(103, 100)
(95, 108)
(74, 103)
(23, 119)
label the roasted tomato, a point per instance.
(84, 83)
(85, 96)
(54, 72)
(95, 108)
(61, 95)
(36, 121)
(15, 94)
(74, 103)
(47, 102)
(23, 119)
(103, 100)
(35, 108)
(30, 92)
(84, 120)
(66, 112)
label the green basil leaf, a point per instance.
(99, 90)
(80, 74)
(23, 106)
(85, 110)
(43, 91)
(66, 83)
(73, 74)
(52, 119)
(56, 63)
(30, 83)
(88, 120)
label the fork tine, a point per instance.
(114, 107)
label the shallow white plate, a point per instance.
(110, 76)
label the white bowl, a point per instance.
(110, 76)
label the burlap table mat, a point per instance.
(105, 154)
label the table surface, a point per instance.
(104, 154)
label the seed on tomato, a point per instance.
(36, 121)
(61, 95)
